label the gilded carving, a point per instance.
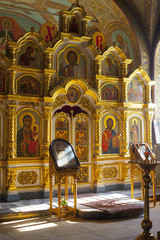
(27, 177)
(110, 172)
(58, 102)
(11, 137)
(98, 172)
(29, 104)
(47, 84)
(45, 177)
(85, 103)
(11, 179)
(125, 171)
(83, 175)
(97, 116)
(149, 117)
(47, 131)
(148, 94)
(124, 92)
(12, 88)
(124, 132)
(136, 171)
(48, 62)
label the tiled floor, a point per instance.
(70, 228)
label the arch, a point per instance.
(28, 84)
(84, 88)
(141, 126)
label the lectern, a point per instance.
(63, 163)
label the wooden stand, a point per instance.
(59, 174)
(63, 163)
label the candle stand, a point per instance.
(147, 163)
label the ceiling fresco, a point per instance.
(137, 20)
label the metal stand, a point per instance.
(146, 223)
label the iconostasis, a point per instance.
(70, 88)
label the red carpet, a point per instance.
(109, 207)
(113, 206)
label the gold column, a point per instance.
(47, 131)
(149, 118)
(47, 84)
(97, 67)
(72, 143)
(124, 142)
(12, 86)
(124, 69)
(148, 94)
(97, 87)
(63, 24)
(12, 55)
(48, 60)
(72, 126)
(84, 27)
(124, 92)
(97, 115)
(11, 112)
(50, 194)
(75, 194)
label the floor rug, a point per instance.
(113, 209)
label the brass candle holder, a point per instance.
(146, 164)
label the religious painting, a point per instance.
(28, 134)
(2, 81)
(62, 128)
(9, 31)
(29, 56)
(110, 134)
(109, 92)
(124, 41)
(74, 25)
(99, 40)
(110, 67)
(81, 135)
(72, 63)
(135, 130)
(135, 90)
(73, 94)
(29, 85)
(48, 31)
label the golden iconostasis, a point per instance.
(68, 89)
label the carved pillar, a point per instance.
(97, 87)
(12, 86)
(11, 111)
(149, 118)
(124, 142)
(63, 24)
(11, 54)
(148, 94)
(97, 67)
(97, 132)
(48, 60)
(84, 28)
(124, 92)
(47, 84)
(72, 126)
(47, 131)
(124, 69)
